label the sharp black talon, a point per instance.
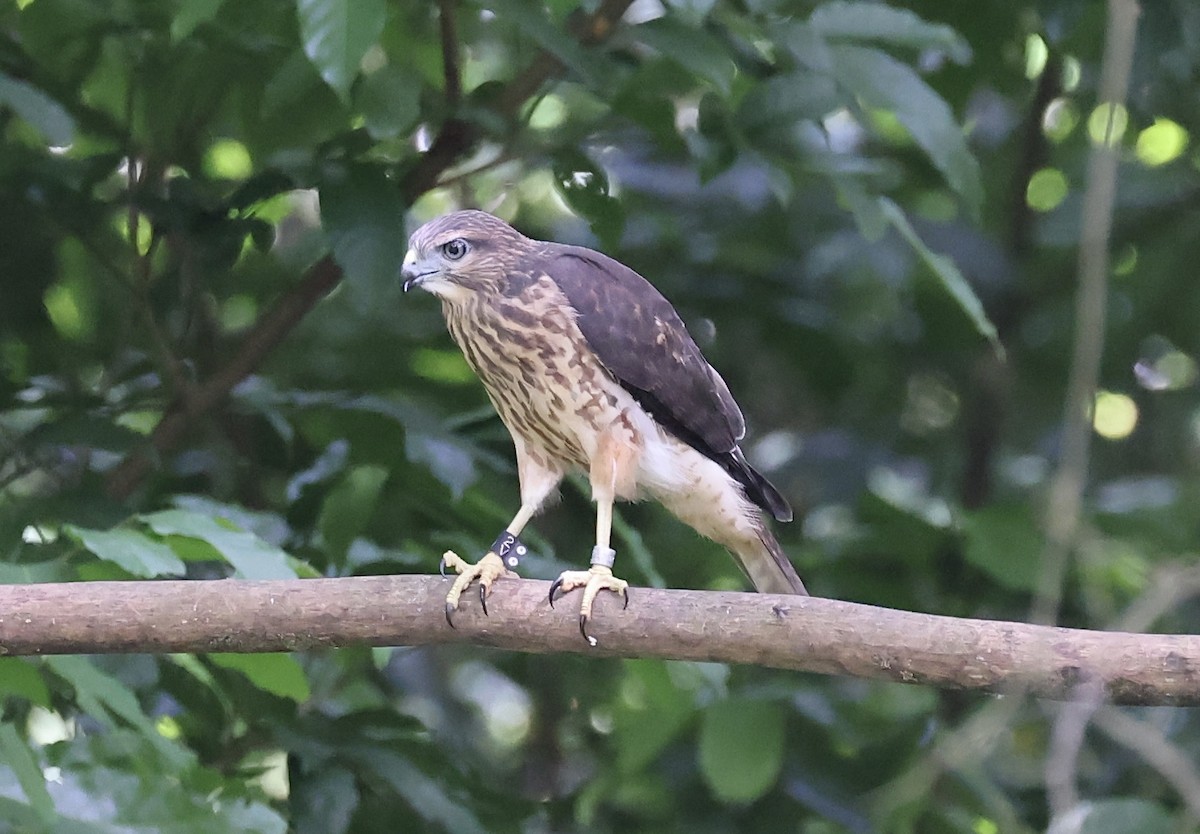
(625, 591)
(583, 627)
(555, 586)
(483, 598)
(450, 615)
(442, 567)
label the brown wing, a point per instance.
(637, 335)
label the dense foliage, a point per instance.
(823, 189)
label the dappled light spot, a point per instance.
(228, 159)
(1125, 260)
(1162, 142)
(1059, 119)
(1170, 372)
(1036, 55)
(549, 113)
(65, 314)
(930, 404)
(1107, 124)
(238, 312)
(1114, 416)
(1072, 73)
(1047, 188)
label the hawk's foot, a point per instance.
(487, 570)
(593, 581)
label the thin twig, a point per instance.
(1144, 738)
(448, 23)
(1067, 486)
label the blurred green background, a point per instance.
(822, 189)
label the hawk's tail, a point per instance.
(768, 566)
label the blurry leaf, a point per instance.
(1004, 542)
(134, 552)
(250, 556)
(867, 210)
(584, 185)
(653, 715)
(531, 20)
(337, 34)
(38, 109)
(349, 506)
(22, 679)
(191, 14)
(781, 100)
(323, 801)
(426, 796)
(891, 26)
(947, 273)
(691, 47)
(363, 216)
(741, 748)
(449, 462)
(390, 101)
(327, 464)
(1120, 816)
(883, 82)
(275, 672)
(15, 752)
(105, 698)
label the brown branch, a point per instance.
(801, 633)
(267, 333)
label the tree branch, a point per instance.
(802, 633)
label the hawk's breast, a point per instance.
(538, 370)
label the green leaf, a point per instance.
(276, 673)
(363, 216)
(947, 273)
(692, 48)
(741, 748)
(191, 14)
(881, 81)
(250, 556)
(22, 679)
(891, 26)
(652, 715)
(337, 34)
(426, 796)
(15, 752)
(584, 185)
(105, 698)
(1119, 816)
(390, 101)
(1004, 542)
(349, 507)
(131, 550)
(45, 114)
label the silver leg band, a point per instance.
(605, 556)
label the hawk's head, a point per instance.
(461, 253)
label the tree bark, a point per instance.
(802, 633)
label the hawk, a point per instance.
(592, 370)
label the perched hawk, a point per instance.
(591, 369)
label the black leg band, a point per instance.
(509, 548)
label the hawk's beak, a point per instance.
(414, 272)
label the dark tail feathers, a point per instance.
(758, 489)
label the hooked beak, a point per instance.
(414, 272)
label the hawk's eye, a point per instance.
(455, 249)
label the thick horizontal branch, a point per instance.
(802, 633)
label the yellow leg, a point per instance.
(537, 482)
(605, 474)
